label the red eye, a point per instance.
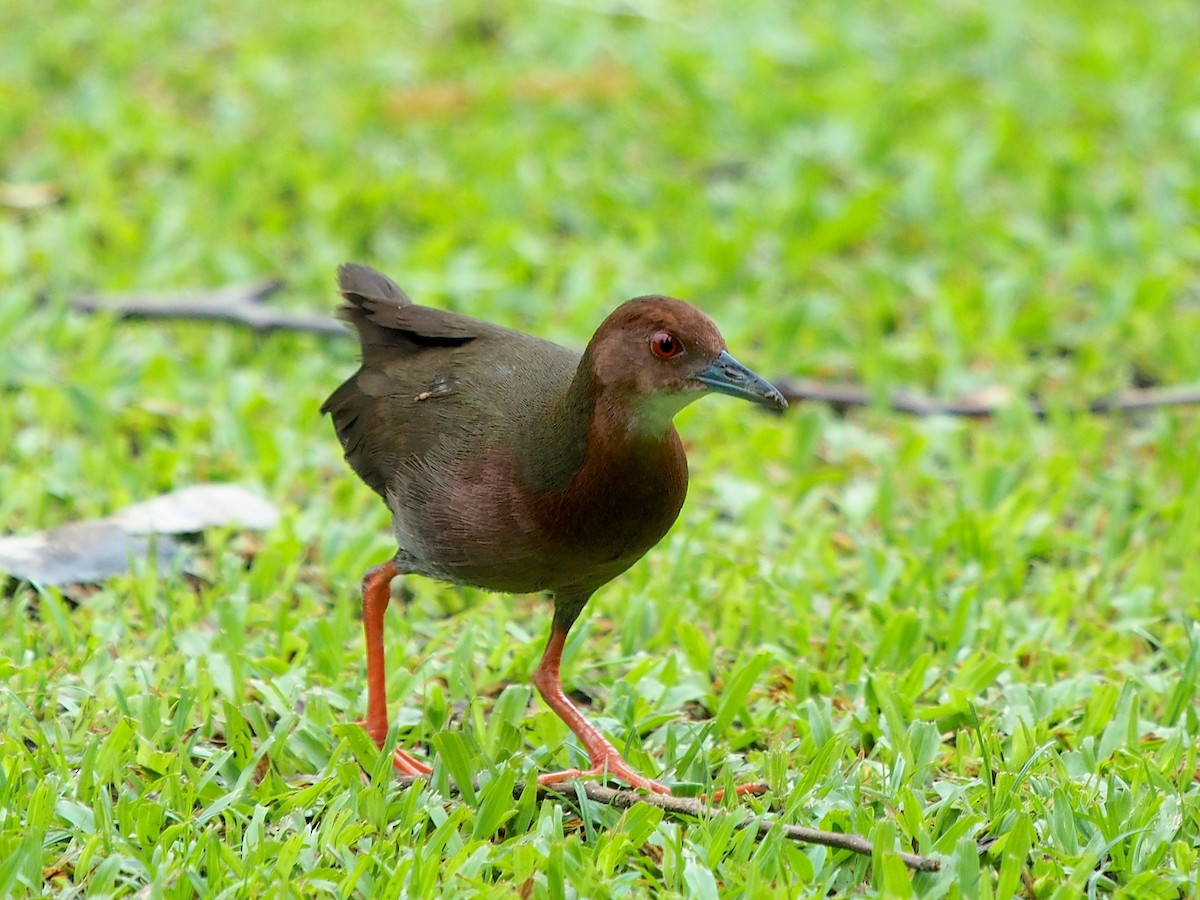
(665, 345)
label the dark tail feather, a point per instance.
(359, 283)
(367, 293)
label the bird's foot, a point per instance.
(402, 762)
(611, 765)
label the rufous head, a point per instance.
(656, 355)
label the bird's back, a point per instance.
(435, 382)
(436, 393)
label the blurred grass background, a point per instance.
(931, 632)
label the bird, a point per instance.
(513, 464)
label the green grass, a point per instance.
(933, 633)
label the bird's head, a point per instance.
(655, 355)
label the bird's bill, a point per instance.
(728, 376)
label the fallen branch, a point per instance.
(242, 305)
(980, 406)
(1146, 398)
(239, 304)
(697, 809)
(847, 396)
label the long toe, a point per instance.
(612, 766)
(620, 770)
(409, 765)
(402, 762)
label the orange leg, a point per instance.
(604, 756)
(377, 593)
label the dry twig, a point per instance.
(698, 809)
(238, 304)
(980, 406)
